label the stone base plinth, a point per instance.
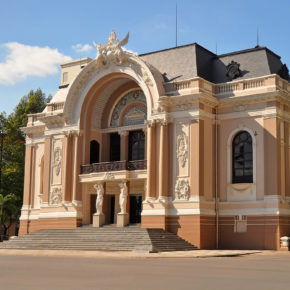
(122, 219)
(98, 220)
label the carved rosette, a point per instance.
(55, 196)
(182, 189)
(57, 160)
(182, 149)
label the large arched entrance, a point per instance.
(113, 124)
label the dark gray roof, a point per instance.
(192, 60)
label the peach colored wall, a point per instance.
(262, 233)
(271, 151)
(57, 223)
(195, 158)
(287, 158)
(209, 166)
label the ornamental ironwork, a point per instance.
(114, 166)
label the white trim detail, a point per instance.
(255, 211)
(177, 212)
(241, 192)
(51, 215)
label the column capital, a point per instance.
(150, 123)
(123, 132)
(163, 122)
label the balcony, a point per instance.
(114, 166)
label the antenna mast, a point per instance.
(257, 36)
(176, 26)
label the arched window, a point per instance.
(94, 152)
(136, 145)
(242, 158)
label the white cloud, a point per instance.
(23, 61)
(82, 47)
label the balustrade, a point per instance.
(114, 166)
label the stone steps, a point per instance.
(107, 238)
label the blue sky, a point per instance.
(36, 35)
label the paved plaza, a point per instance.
(191, 270)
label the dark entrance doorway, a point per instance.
(94, 152)
(112, 209)
(135, 209)
(93, 206)
(114, 147)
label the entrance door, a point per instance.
(112, 209)
(135, 209)
(93, 206)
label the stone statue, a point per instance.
(123, 197)
(100, 198)
(112, 51)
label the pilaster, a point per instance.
(46, 170)
(151, 160)
(67, 167)
(163, 159)
(124, 145)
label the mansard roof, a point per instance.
(193, 60)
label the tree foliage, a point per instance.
(12, 165)
(9, 209)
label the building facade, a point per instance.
(181, 139)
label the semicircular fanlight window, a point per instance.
(131, 109)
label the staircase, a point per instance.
(107, 238)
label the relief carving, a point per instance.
(57, 160)
(55, 196)
(182, 189)
(109, 175)
(182, 149)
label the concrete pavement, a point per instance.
(62, 270)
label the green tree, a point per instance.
(14, 143)
(3, 129)
(9, 209)
(12, 154)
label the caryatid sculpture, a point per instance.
(123, 197)
(100, 198)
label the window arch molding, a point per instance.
(137, 102)
(231, 137)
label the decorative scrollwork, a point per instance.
(55, 196)
(182, 189)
